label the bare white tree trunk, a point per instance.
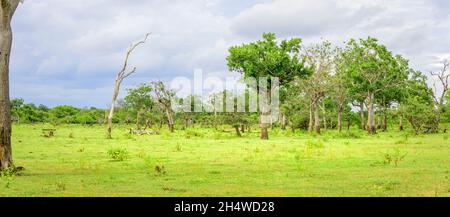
(371, 115)
(121, 75)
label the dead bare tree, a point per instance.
(7, 10)
(443, 77)
(121, 75)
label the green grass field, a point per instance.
(205, 162)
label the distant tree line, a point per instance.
(323, 87)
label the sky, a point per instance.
(68, 52)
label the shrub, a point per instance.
(394, 157)
(118, 154)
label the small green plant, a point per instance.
(81, 150)
(313, 147)
(394, 157)
(7, 176)
(118, 154)
(179, 147)
(71, 135)
(60, 186)
(141, 154)
(160, 170)
(8, 173)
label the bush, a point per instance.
(118, 154)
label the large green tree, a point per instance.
(139, 101)
(372, 68)
(265, 59)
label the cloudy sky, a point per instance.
(67, 52)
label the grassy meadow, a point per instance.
(80, 161)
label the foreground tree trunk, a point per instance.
(8, 7)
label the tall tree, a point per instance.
(372, 68)
(268, 58)
(7, 10)
(339, 94)
(121, 75)
(320, 58)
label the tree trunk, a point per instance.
(264, 131)
(283, 121)
(111, 110)
(401, 123)
(137, 121)
(170, 120)
(6, 12)
(238, 131)
(316, 119)
(324, 112)
(340, 120)
(243, 128)
(371, 119)
(379, 121)
(384, 121)
(311, 118)
(264, 127)
(363, 120)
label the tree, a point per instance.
(417, 103)
(16, 105)
(140, 102)
(268, 58)
(443, 77)
(64, 114)
(7, 10)
(164, 97)
(371, 69)
(320, 58)
(121, 75)
(387, 97)
(339, 94)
